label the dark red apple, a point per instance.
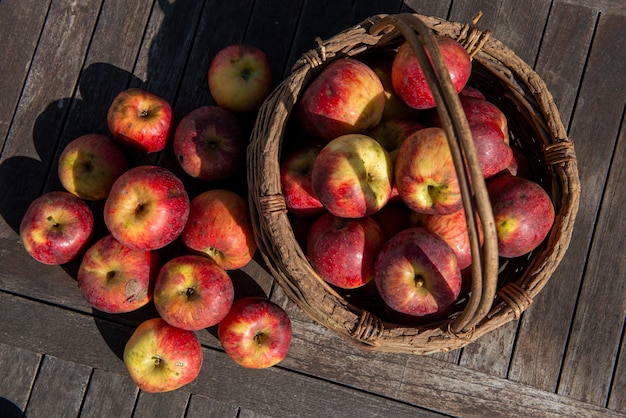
(295, 179)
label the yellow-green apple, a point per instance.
(147, 208)
(416, 273)
(346, 97)
(523, 213)
(409, 81)
(89, 165)
(425, 175)
(192, 292)
(240, 78)
(116, 279)
(219, 226)
(210, 144)
(295, 180)
(161, 358)
(343, 250)
(395, 108)
(56, 227)
(453, 229)
(141, 120)
(352, 176)
(256, 333)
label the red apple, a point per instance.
(416, 273)
(453, 229)
(295, 180)
(210, 144)
(192, 292)
(240, 78)
(391, 133)
(346, 97)
(56, 227)
(256, 333)
(147, 208)
(141, 120)
(342, 251)
(469, 91)
(89, 165)
(352, 176)
(408, 77)
(220, 227)
(162, 358)
(523, 213)
(425, 175)
(116, 279)
(393, 218)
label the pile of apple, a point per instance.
(147, 208)
(372, 190)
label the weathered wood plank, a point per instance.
(617, 397)
(51, 80)
(202, 406)
(109, 395)
(426, 7)
(25, 18)
(59, 389)
(362, 10)
(18, 368)
(166, 404)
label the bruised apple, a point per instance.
(346, 97)
(220, 227)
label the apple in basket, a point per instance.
(295, 179)
(343, 250)
(141, 120)
(416, 273)
(210, 144)
(192, 292)
(147, 208)
(89, 165)
(391, 133)
(240, 78)
(256, 333)
(425, 176)
(409, 80)
(56, 227)
(346, 97)
(453, 229)
(352, 176)
(220, 227)
(161, 358)
(523, 213)
(116, 279)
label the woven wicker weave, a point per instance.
(500, 290)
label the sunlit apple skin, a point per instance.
(408, 77)
(240, 78)
(141, 120)
(162, 358)
(523, 213)
(425, 175)
(220, 227)
(342, 250)
(295, 179)
(147, 208)
(210, 144)
(56, 227)
(352, 176)
(192, 292)
(256, 333)
(346, 97)
(116, 279)
(89, 165)
(416, 273)
(452, 228)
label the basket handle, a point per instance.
(484, 267)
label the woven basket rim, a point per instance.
(298, 279)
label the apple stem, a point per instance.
(53, 222)
(144, 113)
(157, 360)
(419, 281)
(259, 338)
(190, 291)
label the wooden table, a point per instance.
(63, 61)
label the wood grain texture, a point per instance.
(109, 395)
(202, 406)
(426, 7)
(166, 404)
(18, 368)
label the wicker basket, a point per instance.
(500, 289)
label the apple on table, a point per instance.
(116, 279)
(141, 120)
(240, 78)
(56, 227)
(161, 358)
